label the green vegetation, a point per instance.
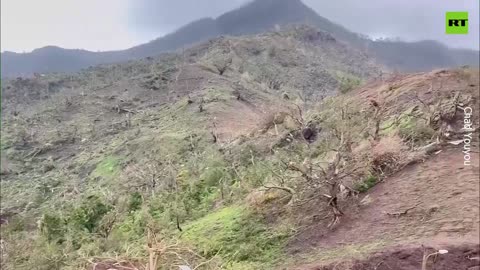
(121, 158)
(135, 202)
(416, 131)
(108, 168)
(411, 128)
(89, 214)
(85, 217)
(366, 184)
(237, 235)
(347, 82)
(53, 227)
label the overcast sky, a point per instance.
(100, 25)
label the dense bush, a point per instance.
(89, 214)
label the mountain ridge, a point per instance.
(254, 17)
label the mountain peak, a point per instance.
(277, 2)
(47, 49)
(264, 15)
(292, 7)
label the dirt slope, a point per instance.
(459, 257)
(440, 198)
(434, 203)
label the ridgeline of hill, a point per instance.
(255, 17)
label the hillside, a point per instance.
(279, 150)
(422, 206)
(255, 17)
(421, 56)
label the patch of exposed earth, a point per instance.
(435, 203)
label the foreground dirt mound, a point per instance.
(465, 257)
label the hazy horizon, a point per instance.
(120, 24)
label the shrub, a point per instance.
(134, 226)
(199, 196)
(366, 184)
(52, 227)
(416, 131)
(89, 214)
(135, 202)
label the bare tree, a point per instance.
(323, 180)
(148, 178)
(222, 64)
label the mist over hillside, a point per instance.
(257, 16)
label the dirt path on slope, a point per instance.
(432, 203)
(462, 257)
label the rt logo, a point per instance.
(457, 23)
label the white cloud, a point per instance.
(87, 24)
(409, 20)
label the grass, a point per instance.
(416, 131)
(409, 128)
(366, 184)
(388, 127)
(237, 235)
(108, 168)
